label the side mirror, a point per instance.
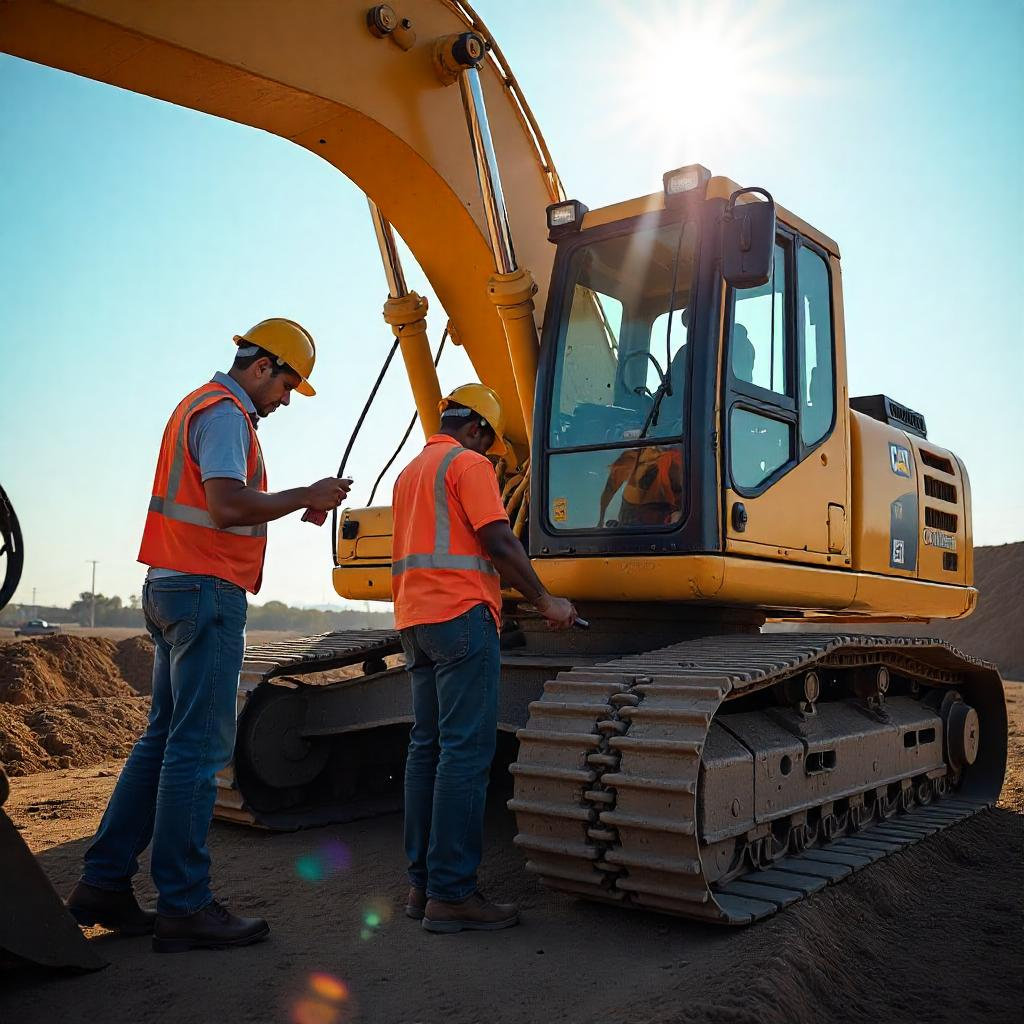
(748, 240)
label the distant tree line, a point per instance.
(111, 611)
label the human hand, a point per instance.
(328, 493)
(559, 612)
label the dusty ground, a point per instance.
(933, 934)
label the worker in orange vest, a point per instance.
(204, 540)
(452, 547)
(653, 495)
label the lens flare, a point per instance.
(375, 915)
(325, 1002)
(330, 858)
(336, 855)
(310, 868)
(328, 987)
(313, 1011)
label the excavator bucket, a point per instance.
(34, 924)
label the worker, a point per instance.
(653, 494)
(204, 540)
(452, 541)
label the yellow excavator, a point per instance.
(687, 466)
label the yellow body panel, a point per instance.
(887, 489)
(364, 574)
(791, 519)
(779, 589)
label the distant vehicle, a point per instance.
(37, 627)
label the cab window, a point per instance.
(817, 384)
(762, 417)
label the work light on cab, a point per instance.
(683, 182)
(565, 217)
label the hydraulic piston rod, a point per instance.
(511, 288)
(487, 170)
(406, 312)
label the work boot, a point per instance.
(118, 911)
(213, 927)
(415, 903)
(474, 913)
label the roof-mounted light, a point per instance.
(683, 182)
(565, 217)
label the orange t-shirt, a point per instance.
(472, 500)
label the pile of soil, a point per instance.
(58, 667)
(69, 734)
(134, 658)
(71, 701)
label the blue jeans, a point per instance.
(455, 668)
(167, 787)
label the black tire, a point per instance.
(12, 554)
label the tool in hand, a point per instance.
(581, 623)
(314, 515)
(317, 516)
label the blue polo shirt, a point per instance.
(218, 439)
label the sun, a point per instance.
(695, 77)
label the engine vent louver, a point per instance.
(939, 462)
(939, 520)
(939, 489)
(882, 407)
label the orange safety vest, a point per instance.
(439, 567)
(179, 533)
(655, 478)
(654, 484)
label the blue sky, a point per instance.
(138, 237)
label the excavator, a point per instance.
(687, 466)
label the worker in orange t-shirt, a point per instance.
(452, 546)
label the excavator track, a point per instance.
(631, 772)
(270, 665)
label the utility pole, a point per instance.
(35, 607)
(92, 593)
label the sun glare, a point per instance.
(696, 78)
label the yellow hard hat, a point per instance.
(486, 404)
(289, 341)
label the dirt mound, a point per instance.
(55, 668)
(134, 658)
(70, 734)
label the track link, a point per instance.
(267, 662)
(608, 775)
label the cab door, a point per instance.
(786, 452)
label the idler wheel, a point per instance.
(271, 741)
(963, 734)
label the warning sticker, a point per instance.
(903, 532)
(560, 510)
(899, 460)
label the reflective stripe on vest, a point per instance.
(189, 513)
(441, 557)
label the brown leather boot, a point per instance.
(213, 927)
(474, 913)
(118, 911)
(415, 903)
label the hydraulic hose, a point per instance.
(408, 430)
(352, 441)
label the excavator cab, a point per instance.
(632, 369)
